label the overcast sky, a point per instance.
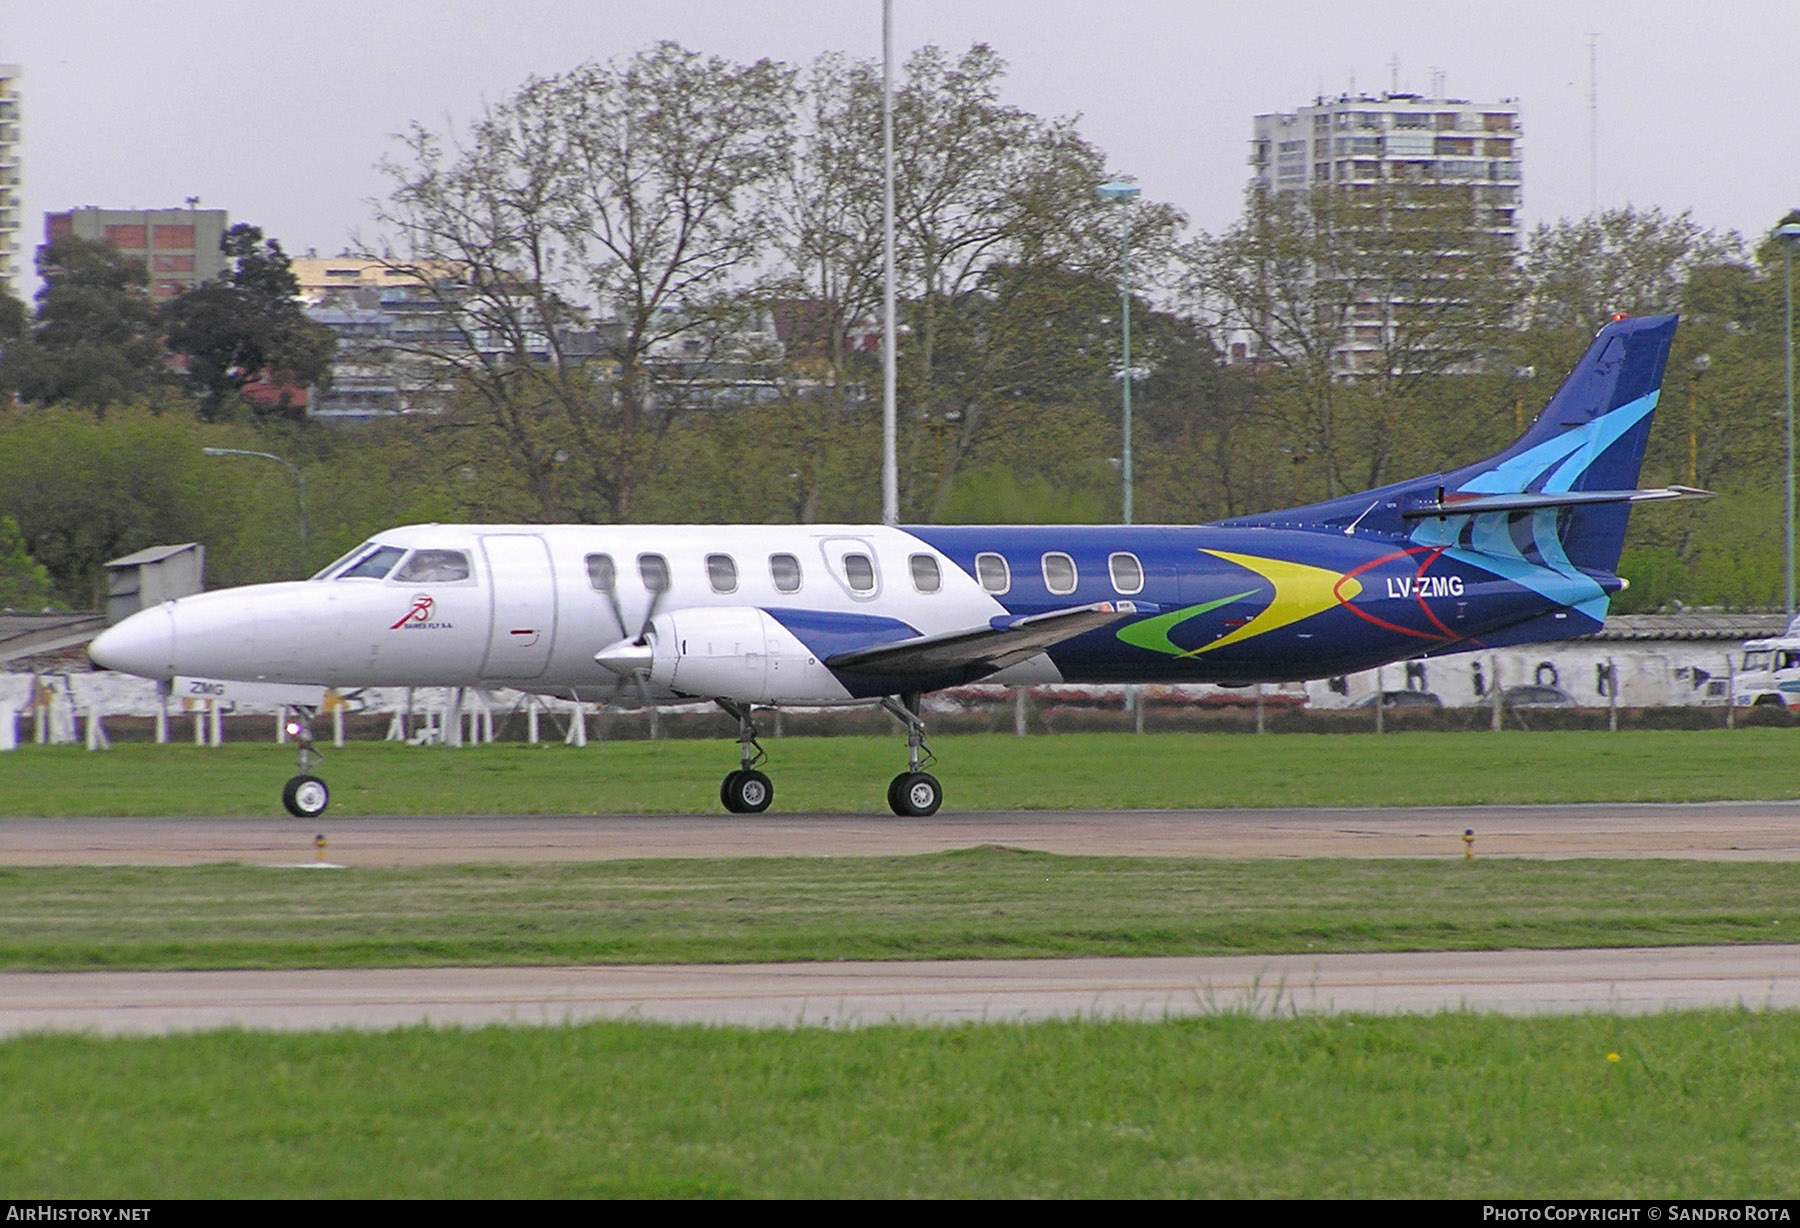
(278, 110)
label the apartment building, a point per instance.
(1364, 145)
(1358, 141)
(9, 178)
(179, 247)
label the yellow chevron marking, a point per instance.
(1300, 592)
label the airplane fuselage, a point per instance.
(533, 604)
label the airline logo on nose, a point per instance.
(419, 617)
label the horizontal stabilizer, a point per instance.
(1527, 501)
(1005, 641)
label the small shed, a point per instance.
(153, 576)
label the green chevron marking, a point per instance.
(1153, 633)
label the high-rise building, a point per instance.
(1359, 141)
(1377, 148)
(179, 247)
(9, 177)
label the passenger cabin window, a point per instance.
(601, 573)
(654, 571)
(373, 566)
(993, 573)
(925, 575)
(859, 573)
(1059, 574)
(784, 570)
(1127, 573)
(721, 572)
(434, 567)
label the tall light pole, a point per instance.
(298, 477)
(1788, 235)
(890, 468)
(1124, 193)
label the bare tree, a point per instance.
(1353, 305)
(580, 227)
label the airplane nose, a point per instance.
(143, 644)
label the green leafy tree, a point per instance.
(247, 325)
(92, 341)
(24, 584)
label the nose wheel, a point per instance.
(305, 796)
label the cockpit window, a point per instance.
(434, 567)
(374, 565)
(341, 560)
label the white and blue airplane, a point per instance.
(1517, 548)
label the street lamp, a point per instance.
(1789, 234)
(1124, 193)
(292, 468)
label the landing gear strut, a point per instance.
(305, 796)
(914, 793)
(746, 791)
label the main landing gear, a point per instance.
(746, 791)
(914, 793)
(305, 796)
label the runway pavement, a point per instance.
(840, 995)
(1762, 831)
(854, 994)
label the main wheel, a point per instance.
(747, 792)
(915, 795)
(305, 797)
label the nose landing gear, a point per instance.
(305, 796)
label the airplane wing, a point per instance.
(1006, 640)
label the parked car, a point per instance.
(1401, 699)
(1536, 697)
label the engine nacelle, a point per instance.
(736, 652)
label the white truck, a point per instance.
(1769, 674)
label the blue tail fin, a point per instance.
(1590, 438)
(1555, 501)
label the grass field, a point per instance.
(1695, 1105)
(983, 903)
(980, 772)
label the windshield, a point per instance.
(373, 565)
(340, 561)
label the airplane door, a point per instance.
(522, 598)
